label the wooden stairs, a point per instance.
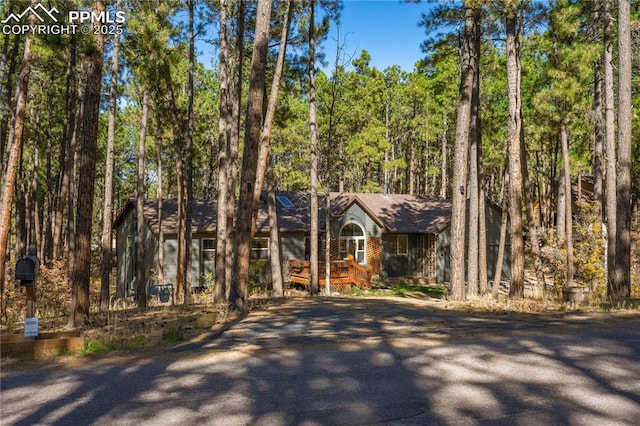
(343, 274)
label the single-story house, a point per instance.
(393, 235)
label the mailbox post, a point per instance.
(27, 273)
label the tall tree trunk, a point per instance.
(531, 218)
(598, 138)
(274, 233)
(458, 211)
(610, 142)
(561, 208)
(245, 223)
(66, 157)
(313, 132)
(181, 249)
(8, 106)
(327, 243)
(528, 191)
(564, 142)
(189, 161)
(234, 141)
(179, 147)
(15, 148)
(483, 276)
(107, 215)
(141, 246)
(514, 134)
(264, 158)
(444, 180)
(72, 195)
(88, 141)
(475, 226)
(224, 130)
(265, 145)
(621, 289)
(412, 163)
(504, 217)
(160, 273)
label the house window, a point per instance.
(260, 248)
(398, 245)
(353, 242)
(209, 250)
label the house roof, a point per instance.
(293, 218)
(204, 215)
(395, 213)
(400, 213)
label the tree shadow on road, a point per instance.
(353, 361)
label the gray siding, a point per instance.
(400, 265)
(171, 261)
(292, 245)
(125, 252)
(355, 214)
(126, 255)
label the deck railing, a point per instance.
(342, 273)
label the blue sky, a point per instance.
(387, 29)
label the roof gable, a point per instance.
(401, 213)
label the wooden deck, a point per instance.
(343, 274)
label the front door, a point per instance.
(353, 242)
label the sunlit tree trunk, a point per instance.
(313, 131)
(621, 289)
(514, 134)
(504, 218)
(274, 233)
(234, 140)
(107, 203)
(141, 272)
(444, 175)
(188, 214)
(224, 130)
(610, 147)
(475, 202)
(564, 142)
(160, 271)
(245, 223)
(14, 148)
(598, 138)
(458, 214)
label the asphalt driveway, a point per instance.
(356, 361)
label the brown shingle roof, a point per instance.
(401, 213)
(395, 213)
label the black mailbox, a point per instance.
(26, 270)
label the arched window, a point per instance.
(353, 242)
(352, 230)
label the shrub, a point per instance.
(589, 243)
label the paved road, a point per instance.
(356, 361)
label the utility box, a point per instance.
(26, 270)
